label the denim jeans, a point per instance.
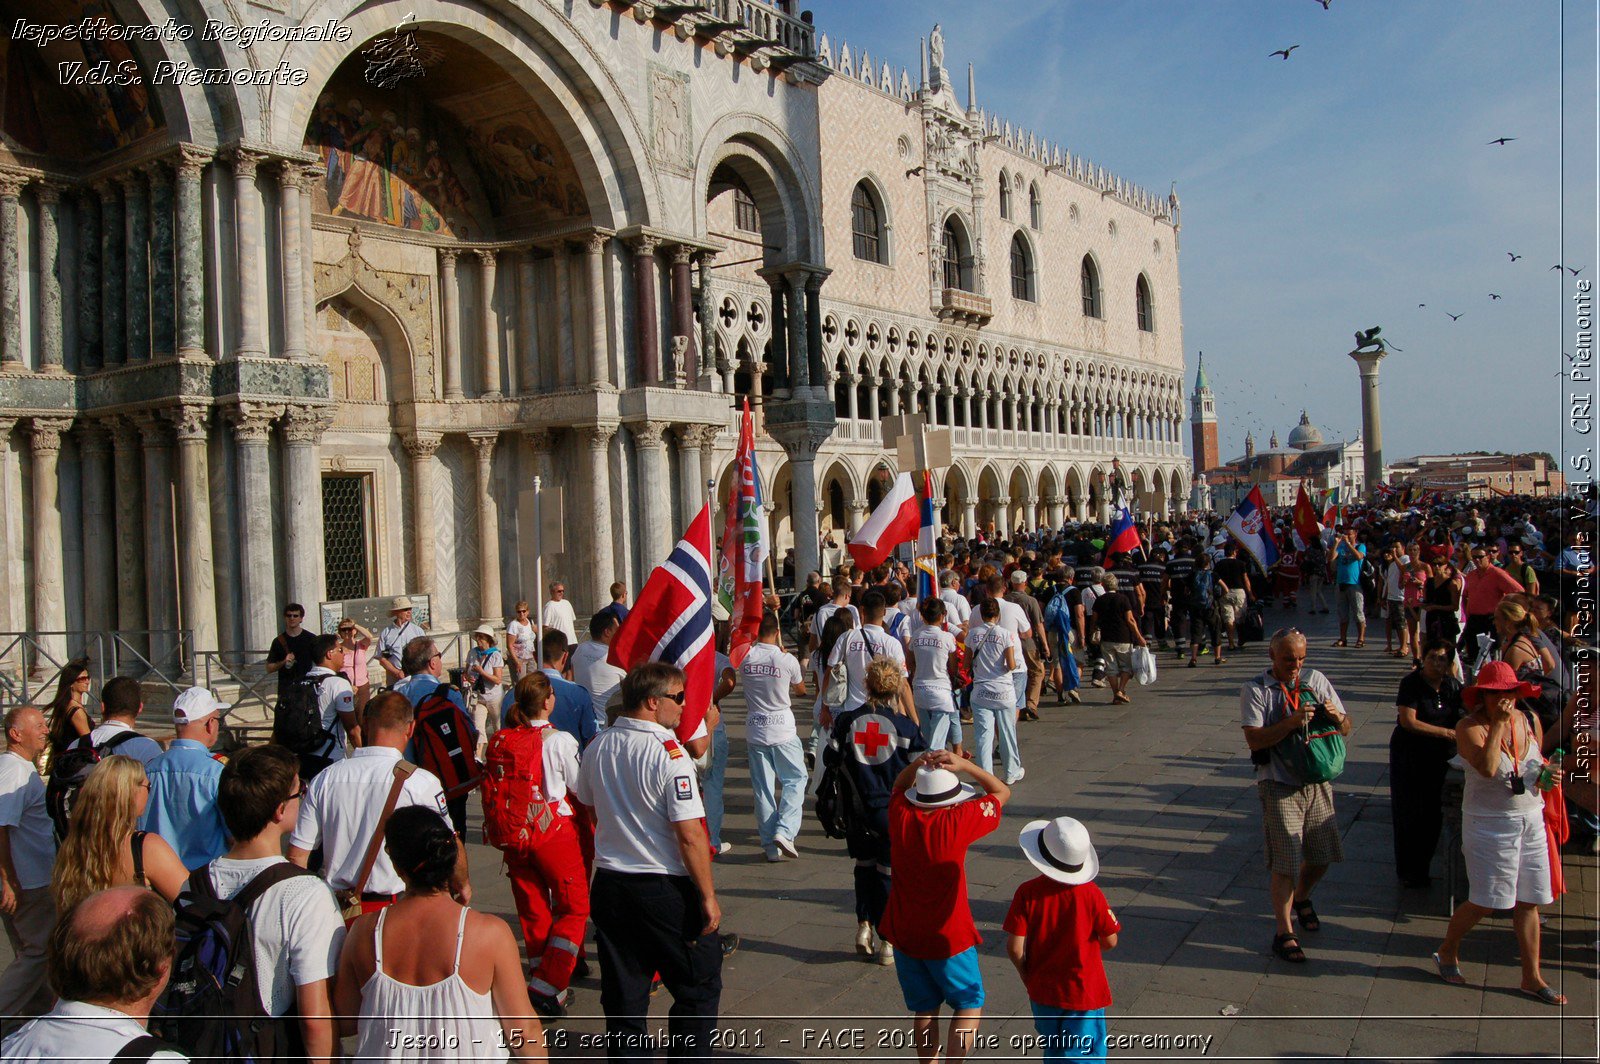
(1020, 679)
(784, 765)
(1070, 1034)
(992, 721)
(711, 785)
(940, 721)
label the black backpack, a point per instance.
(68, 773)
(297, 718)
(839, 804)
(211, 1008)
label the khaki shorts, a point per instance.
(1118, 658)
(1300, 826)
(1231, 604)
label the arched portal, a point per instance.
(1077, 495)
(991, 502)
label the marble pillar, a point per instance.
(647, 333)
(594, 258)
(1371, 418)
(191, 255)
(163, 266)
(128, 464)
(87, 213)
(112, 350)
(489, 594)
(196, 571)
(252, 431)
(683, 316)
(819, 368)
(136, 265)
(801, 445)
(251, 341)
(799, 352)
(709, 380)
(654, 491)
(291, 184)
(308, 256)
(596, 440)
(160, 550)
(566, 372)
(852, 399)
(708, 457)
(969, 518)
(48, 576)
(450, 313)
(11, 186)
(490, 343)
(99, 556)
(692, 474)
(1030, 512)
(303, 427)
(858, 516)
(49, 278)
(778, 346)
(531, 376)
(422, 446)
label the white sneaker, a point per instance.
(864, 939)
(774, 856)
(885, 954)
(1021, 772)
(786, 846)
(724, 848)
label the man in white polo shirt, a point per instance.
(654, 907)
(27, 854)
(336, 701)
(857, 647)
(770, 676)
(342, 810)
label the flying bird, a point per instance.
(1514, 256)
(1421, 305)
(1493, 296)
(1557, 267)
(1324, 3)
(1284, 52)
(1579, 270)
(1453, 317)
(1502, 141)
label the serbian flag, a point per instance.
(1307, 529)
(1124, 535)
(896, 520)
(744, 546)
(927, 562)
(1253, 529)
(671, 622)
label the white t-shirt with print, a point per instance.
(768, 674)
(988, 644)
(856, 648)
(931, 648)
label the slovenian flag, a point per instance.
(927, 563)
(1124, 535)
(1252, 528)
(897, 520)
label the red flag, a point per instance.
(744, 547)
(1307, 529)
(671, 622)
(896, 520)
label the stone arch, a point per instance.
(400, 305)
(1077, 492)
(841, 491)
(878, 192)
(1019, 489)
(761, 154)
(957, 496)
(991, 497)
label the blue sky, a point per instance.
(1328, 193)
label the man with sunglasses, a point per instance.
(290, 653)
(1483, 586)
(1516, 564)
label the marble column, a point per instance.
(858, 516)
(303, 427)
(819, 369)
(161, 559)
(191, 255)
(799, 354)
(596, 439)
(136, 265)
(1371, 418)
(87, 213)
(683, 316)
(252, 430)
(647, 336)
(99, 556)
(801, 443)
(778, 353)
(969, 517)
(450, 315)
(708, 455)
(48, 577)
(489, 596)
(112, 350)
(49, 278)
(197, 573)
(11, 186)
(128, 466)
(853, 402)
(422, 446)
(692, 475)
(1030, 512)
(308, 256)
(291, 182)
(566, 371)
(654, 490)
(490, 344)
(251, 341)
(531, 380)
(594, 258)
(163, 278)
(708, 362)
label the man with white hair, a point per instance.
(27, 854)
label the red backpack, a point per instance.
(445, 746)
(516, 813)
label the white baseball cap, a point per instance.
(195, 705)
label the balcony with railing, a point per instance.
(763, 24)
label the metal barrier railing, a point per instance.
(31, 662)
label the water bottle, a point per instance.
(1545, 780)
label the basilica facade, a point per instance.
(301, 313)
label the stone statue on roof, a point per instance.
(936, 47)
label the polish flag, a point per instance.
(896, 520)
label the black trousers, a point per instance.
(647, 924)
(458, 814)
(1468, 643)
(1417, 766)
(872, 877)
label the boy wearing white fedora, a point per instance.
(933, 818)
(1058, 924)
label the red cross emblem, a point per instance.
(874, 738)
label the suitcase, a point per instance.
(1252, 624)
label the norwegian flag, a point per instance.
(671, 622)
(744, 547)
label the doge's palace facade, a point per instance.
(299, 316)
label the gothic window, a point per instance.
(1089, 280)
(957, 259)
(1005, 196)
(1141, 300)
(745, 216)
(1035, 207)
(866, 221)
(1021, 270)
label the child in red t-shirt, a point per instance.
(933, 818)
(1059, 923)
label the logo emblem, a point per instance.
(1252, 522)
(874, 738)
(685, 789)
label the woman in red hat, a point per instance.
(1502, 823)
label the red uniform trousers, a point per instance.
(551, 892)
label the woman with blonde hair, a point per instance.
(1519, 637)
(103, 847)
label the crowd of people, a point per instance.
(340, 844)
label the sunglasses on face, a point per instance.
(678, 697)
(298, 794)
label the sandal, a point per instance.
(1287, 947)
(1450, 973)
(1546, 994)
(1340, 643)
(1361, 642)
(1307, 916)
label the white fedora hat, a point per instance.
(400, 602)
(938, 787)
(1061, 849)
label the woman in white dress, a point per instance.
(427, 978)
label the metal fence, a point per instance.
(31, 662)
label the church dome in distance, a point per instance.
(1305, 434)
